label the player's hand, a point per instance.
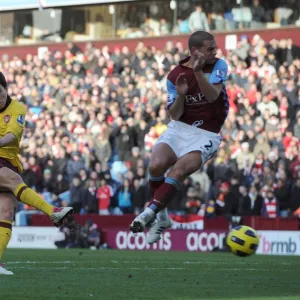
(181, 84)
(199, 63)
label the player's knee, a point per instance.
(7, 206)
(7, 215)
(10, 179)
(178, 173)
(156, 167)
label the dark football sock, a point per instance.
(164, 194)
(155, 183)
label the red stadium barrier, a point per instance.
(219, 223)
(260, 223)
(159, 42)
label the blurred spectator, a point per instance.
(139, 196)
(61, 184)
(270, 205)
(102, 148)
(256, 201)
(258, 15)
(74, 165)
(90, 236)
(193, 203)
(124, 197)
(77, 194)
(48, 183)
(70, 229)
(231, 196)
(104, 195)
(28, 176)
(90, 202)
(182, 26)
(164, 27)
(282, 195)
(198, 20)
(244, 205)
(295, 197)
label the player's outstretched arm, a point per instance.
(176, 108)
(7, 140)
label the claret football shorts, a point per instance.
(7, 164)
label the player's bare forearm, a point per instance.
(177, 108)
(7, 140)
(210, 91)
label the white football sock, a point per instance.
(163, 215)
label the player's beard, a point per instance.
(210, 61)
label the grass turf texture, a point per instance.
(85, 274)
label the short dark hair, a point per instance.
(3, 82)
(198, 37)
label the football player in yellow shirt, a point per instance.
(12, 122)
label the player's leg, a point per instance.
(199, 148)
(162, 158)
(7, 209)
(13, 182)
(185, 166)
(157, 168)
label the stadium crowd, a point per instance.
(94, 115)
(156, 20)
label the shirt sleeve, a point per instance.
(17, 123)
(219, 73)
(172, 93)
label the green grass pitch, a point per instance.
(86, 274)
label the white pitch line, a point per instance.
(100, 268)
(39, 262)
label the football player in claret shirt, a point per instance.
(12, 122)
(198, 106)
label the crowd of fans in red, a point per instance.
(94, 115)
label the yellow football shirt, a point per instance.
(12, 120)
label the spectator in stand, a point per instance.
(295, 198)
(282, 195)
(140, 195)
(90, 202)
(270, 205)
(77, 194)
(74, 165)
(256, 201)
(198, 20)
(193, 203)
(244, 205)
(258, 15)
(124, 197)
(104, 195)
(90, 236)
(164, 27)
(102, 148)
(28, 176)
(182, 26)
(61, 184)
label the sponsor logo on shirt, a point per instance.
(199, 99)
(6, 119)
(221, 74)
(21, 120)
